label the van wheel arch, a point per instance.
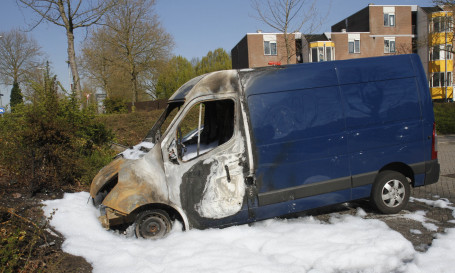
(173, 213)
(399, 167)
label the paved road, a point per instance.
(445, 187)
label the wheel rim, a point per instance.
(153, 226)
(393, 193)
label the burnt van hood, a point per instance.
(126, 184)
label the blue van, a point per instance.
(238, 146)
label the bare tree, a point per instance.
(70, 15)
(96, 60)
(140, 43)
(19, 54)
(287, 16)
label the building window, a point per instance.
(449, 50)
(270, 44)
(389, 19)
(328, 53)
(354, 42)
(321, 54)
(314, 55)
(354, 46)
(437, 79)
(389, 16)
(440, 52)
(389, 45)
(442, 24)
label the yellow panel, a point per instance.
(440, 14)
(440, 66)
(438, 93)
(321, 44)
(439, 38)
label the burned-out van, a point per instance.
(238, 146)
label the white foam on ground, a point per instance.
(345, 244)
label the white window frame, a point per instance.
(354, 43)
(270, 46)
(441, 81)
(448, 52)
(389, 45)
(441, 52)
(444, 25)
(389, 16)
(324, 50)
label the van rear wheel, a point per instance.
(152, 224)
(390, 192)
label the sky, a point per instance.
(345, 243)
(197, 26)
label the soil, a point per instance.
(19, 210)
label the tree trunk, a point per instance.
(288, 47)
(76, 83)
(134, 85)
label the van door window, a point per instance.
(206, 126)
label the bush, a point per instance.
(445, 117)
(115, 105)
(51, 143)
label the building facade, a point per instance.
(262, 49)
(376, 30)
(435, 42)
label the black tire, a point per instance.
(390, 192)
(152, 224)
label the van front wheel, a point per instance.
(152, 224)
(390, 193)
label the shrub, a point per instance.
(115, 105)
(445, 117)
(51, 143)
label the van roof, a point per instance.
(225, 81)
(315, 75)
(298, 76)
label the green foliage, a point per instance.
(445, 117)
(11, 243)
(18, 242)
(214, 61)
(50, 143)
(177, 72)
(115, 105)
(16, 96)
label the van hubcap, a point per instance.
(393, 193)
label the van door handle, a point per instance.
(227, 173)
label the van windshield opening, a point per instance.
(162, 124)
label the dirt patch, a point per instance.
(28, 242)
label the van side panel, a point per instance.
(383, 125)
(383, 110)
(323, 131)
(300, 139)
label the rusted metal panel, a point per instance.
(105, 175)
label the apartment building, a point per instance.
(262, 49)
(376, 30)
(435, 47)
